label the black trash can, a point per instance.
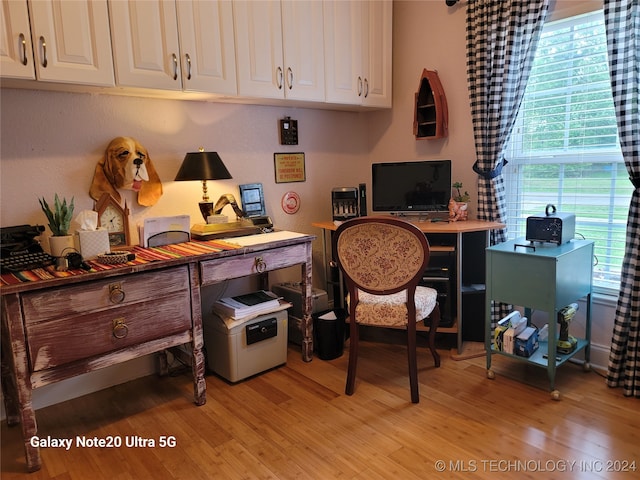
(328, 333)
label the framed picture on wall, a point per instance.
(289, 167)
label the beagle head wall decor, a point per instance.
(126, 165)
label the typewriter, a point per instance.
(21, 251)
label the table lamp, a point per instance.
(203, 166)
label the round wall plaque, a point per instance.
(291, 202)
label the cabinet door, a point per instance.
(72, 42)
(343, 51)
(258, 31)
(207, 46)
(303, 43)
(145, 44)
(377, 53)
(16, 59)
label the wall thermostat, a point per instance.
(288, 131)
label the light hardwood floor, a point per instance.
(296, 422)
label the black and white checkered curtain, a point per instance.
(502, 36)
(622, 21)
(501, 41)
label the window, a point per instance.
(564, 149)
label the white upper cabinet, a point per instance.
(145, 44)
(258, 32)
(184, 45)
(377, 66)
(358, 52)
(16, 58)
(303, 45)
(205, 28)
(68, 42)
(279, 49)
(323, 53)
(343, 51)
(71, 41)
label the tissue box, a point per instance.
(527, 342)
(92, 243)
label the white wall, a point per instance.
(431, 35)
(50, 142)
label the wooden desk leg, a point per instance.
(9, 389)
(198, 361)
(20, 406)
(307, 321)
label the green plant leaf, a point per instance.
(60, 217)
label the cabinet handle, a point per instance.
(175, 66)
(188, 58)
(279, 78)
(359, 86)
(23, 42)
(120, 329)
(290, 77)
(366, 88)
(116, 294)
(260, 264)
(43, 45)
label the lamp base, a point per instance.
(206, 208)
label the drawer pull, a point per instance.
(116, 294)
(120, 329)
(43, 44)
(260, 265)
(23, 44)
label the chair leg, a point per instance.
(413, 362)
(353, 357)
(433, 326)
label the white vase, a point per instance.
(62, 245)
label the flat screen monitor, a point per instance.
(411, 187)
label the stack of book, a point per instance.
(244, 307)
(515, 335)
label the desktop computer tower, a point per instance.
(440, 275)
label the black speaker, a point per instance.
(362, 195)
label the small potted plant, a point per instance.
(458, 206)
(460, 197)
(59, 222)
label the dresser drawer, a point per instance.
(71, 323)
(63, 340)
(218, 270)
(63, 302)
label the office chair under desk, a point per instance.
(383, 260)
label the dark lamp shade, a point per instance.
(202, 166)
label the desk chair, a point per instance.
(383, 260)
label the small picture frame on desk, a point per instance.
(252, 197)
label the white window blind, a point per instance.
(564, 149)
